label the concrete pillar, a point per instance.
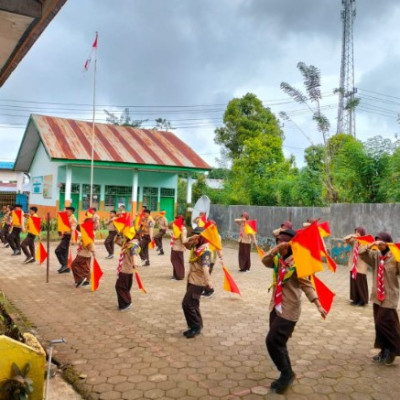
(68, 185)
(189, 190)
(135, 186)
(20, 182)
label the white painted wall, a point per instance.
(41, 166)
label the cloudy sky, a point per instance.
(183, 60)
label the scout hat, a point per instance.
(286, 236)
(384, 236)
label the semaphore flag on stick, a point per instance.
(92, 51)
(63, 224)
(41, 253)
(96, 275)
(250, 227)
(177, 226)
(229, 283)
(139, 281)
(34, 225)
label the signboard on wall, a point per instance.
(48, 186)
(37, 184)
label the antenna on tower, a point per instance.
(346, 122)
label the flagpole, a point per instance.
(93, 129)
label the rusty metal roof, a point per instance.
(69, 139)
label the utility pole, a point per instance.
(346, 122)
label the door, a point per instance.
(167, 204)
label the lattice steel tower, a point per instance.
(346, 116)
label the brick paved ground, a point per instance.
(142, 353)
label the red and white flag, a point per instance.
(92, 52)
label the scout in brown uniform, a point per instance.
(177, 250)
(6, 226)
(128, 261)
(285, 306)
(146, 233)
(358, 270)
(14, 238)
(112, 233)
(81, 264)
(96, 219)
(28, 245)
(162, 230)
(385, 297)
(198, 279)
(244, 244)
(63, 248)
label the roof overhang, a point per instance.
(143, 167)
(21, 24)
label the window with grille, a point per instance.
(119, 190)
(150, 196)
(86, 189)
(74, 188)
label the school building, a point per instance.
(132, 166)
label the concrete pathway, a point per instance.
(141, 354)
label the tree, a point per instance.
(245, 118)
(124, 119)
(312, 84)
(162, 124)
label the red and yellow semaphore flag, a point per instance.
(260, 252)
(41, 253)
(152, 244)
(202, 221)
(324, 229)
(34, 225)
(87, 232)
(395, 250)
(365, 240)
(139, 281)
(122, 222)
(250, 227)
(325, 295)
(211, 234)
(95, 276)
(63, 224)
(308, 249)
(177, 226)
(229, 283)
(16, 217)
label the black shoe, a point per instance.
(81, 283)
(361, 304)
(388, 357)
(86, 283)
(6, 246)
(27, 259)
(354, 303)
(146, 264)
(64, 269)
(110, 256)
(378, 358)
(30, 261)
(161, 253)
(186, 332)
(16, 253)
(192, 333)
(126, 308)
(284, 381)
(208, 293)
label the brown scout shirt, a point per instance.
(110, 225)
(362, 266)
(73, 222)
(391, 274)
(96, 222)
(291, 291)
(199, 273)
(179, 243)
(86, 251)
(162, 223)
(244, 237)
(131, 255)
(148, 226)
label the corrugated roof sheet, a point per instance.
(71, 139)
